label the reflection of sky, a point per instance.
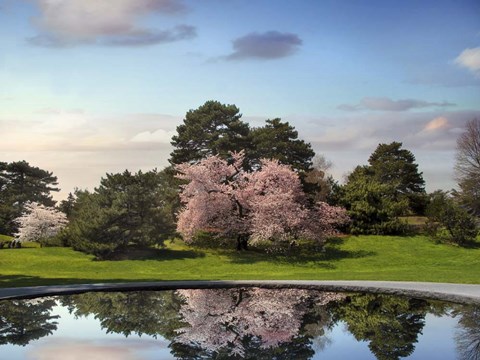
(435, 342)
(83, 338)
(343, 346)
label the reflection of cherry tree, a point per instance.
(221, 319)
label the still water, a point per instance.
(241, 323)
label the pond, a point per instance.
(242, 323)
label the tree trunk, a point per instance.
(242, 242)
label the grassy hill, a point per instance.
(351, 258)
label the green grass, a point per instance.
(351, 258)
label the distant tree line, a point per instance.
(141, 209)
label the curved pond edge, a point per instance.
(457, 293)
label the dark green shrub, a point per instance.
(448, 221)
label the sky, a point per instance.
(89, 87)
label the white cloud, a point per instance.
(470, 59)
(440, 122)
(386, 104)
(72, 22)
(159, 136)
(59, 130)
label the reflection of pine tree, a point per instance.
(22, 321)
(468, 336)
(143, 312)
(390, 324)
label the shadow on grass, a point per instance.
(302, 257)
(471, 245)
(15, 281)
(156, 254)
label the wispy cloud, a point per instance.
(470, 59)
(64, 23)
(422, 130)
(55, 129)
(157, 136)
(265, 46)
(387, 104)
(436, 124)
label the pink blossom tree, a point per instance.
(263, 206)
(272, 317)
(39, 223)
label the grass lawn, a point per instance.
(351, 258)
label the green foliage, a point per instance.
(448, 221)
(279, 140)
(150, 313)
(127, 209)
(19, 183)
(217, 129)
(66, 206)
(390, 164)
(391, 325)
(212, 129)
(371, 205)
(23, 321)
(376, 195)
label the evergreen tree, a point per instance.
(212, 129)
(279, 140)
(126, 209)
(392, 165)
(371, 204)
(19, 184)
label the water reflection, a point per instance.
(22, 321)
(243, 323)
(468, 336)
(390, 325)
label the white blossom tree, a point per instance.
(39, 223)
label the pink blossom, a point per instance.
(266, 205)
(221, 318)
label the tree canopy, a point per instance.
(39, 223)
(19, 183)
(217, 129)
(390, 325)
(448, 221)
(223, 198)
(126, 209)
(390, 164)
(279, 140)
(371, 204)
(212, 129)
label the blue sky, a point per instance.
(90, 86)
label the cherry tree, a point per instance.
(267, 205)
(39, 223)
(270, 316)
